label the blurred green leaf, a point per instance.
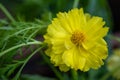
(34, 77)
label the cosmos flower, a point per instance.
(75, 41)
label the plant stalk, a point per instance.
(7, 13)
(76, 3)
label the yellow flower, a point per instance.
(75, 40)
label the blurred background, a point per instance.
(29, 10)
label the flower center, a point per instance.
(77, 38)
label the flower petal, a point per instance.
(73, 58)
(64, 67)
(101, 49)
(56, 59)
(94, 24)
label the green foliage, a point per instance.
(30, 20)
(11, 36)
(34, 77)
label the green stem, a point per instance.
(57, 73)
(76, 3)
(7, 13)
(17, 46)
(19, 72)
(21, 31)
(32, 34)
(114, 37)
(74, 74)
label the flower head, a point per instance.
(75, 40)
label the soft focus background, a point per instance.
(44, 10)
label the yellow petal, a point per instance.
(56, 59)
(68, 44)
(94, 23)
(73, 58)
(101, 49)
(64, 23)
(88, 16)
(101, 33)
(91, 42)
(63, 67)
(79, 23)
(92, 61)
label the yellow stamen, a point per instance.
(77, 37)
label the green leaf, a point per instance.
(13, 35)
(34, 77)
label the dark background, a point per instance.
(115, 8)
